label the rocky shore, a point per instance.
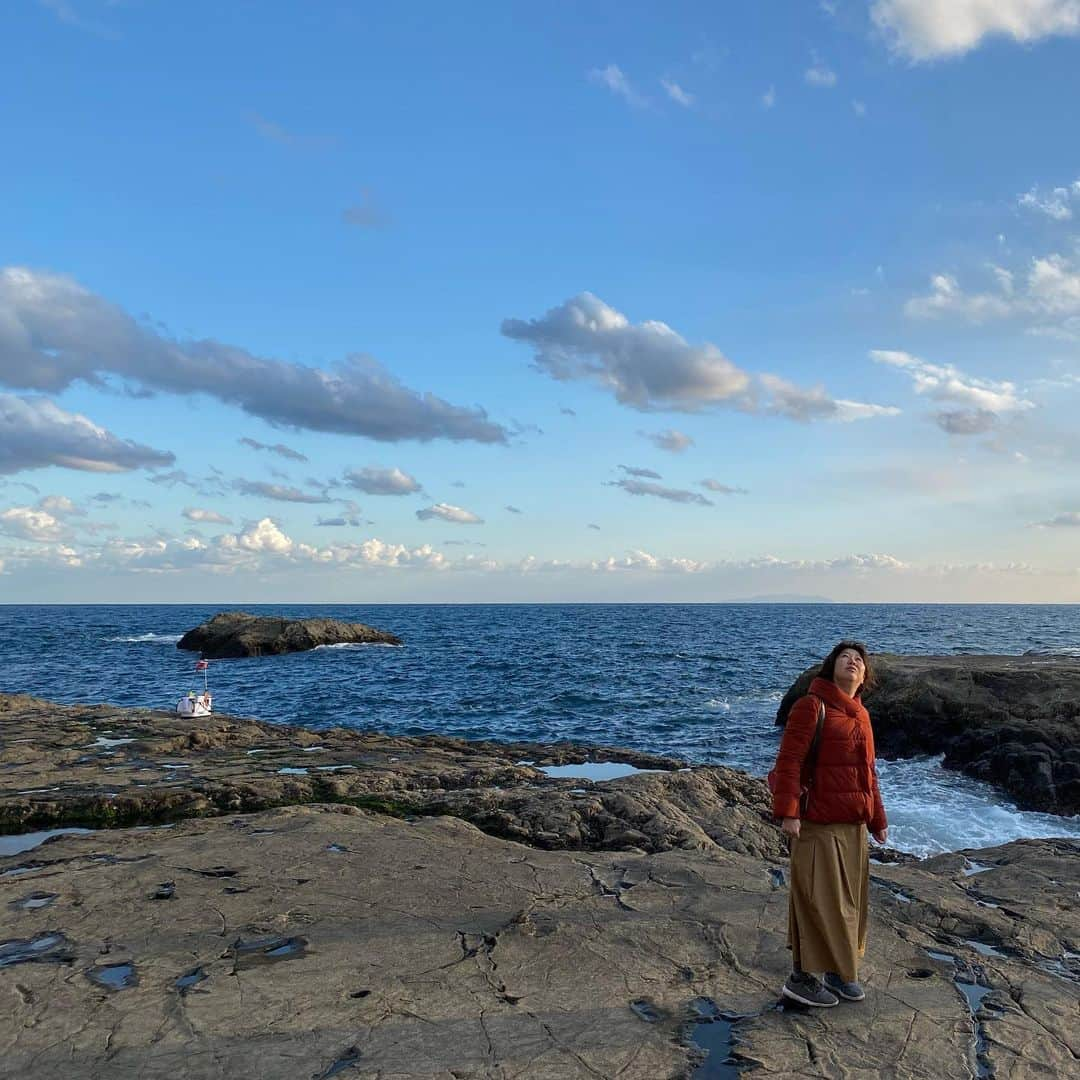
(288, 903)
(1013, 721)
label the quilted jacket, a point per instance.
(845, 785)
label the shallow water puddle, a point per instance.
(101, 741)
(975, 868)
(114, 976)
(714, 1032)
(645, 1010)
(965, 979)
(292, 771)
(347, 1060)
(265, 950)
(192, 978)
(16, 845)
(983, 949)
(48, 948)
(34, 901)
(597, 771)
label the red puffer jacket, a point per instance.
(845, 787)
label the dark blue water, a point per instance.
(698, 681)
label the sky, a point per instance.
(511, 302)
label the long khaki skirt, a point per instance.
(827, 906)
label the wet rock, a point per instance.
(1013, 721)
(238, 634)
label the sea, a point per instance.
(697, 681)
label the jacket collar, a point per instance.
(832, 695)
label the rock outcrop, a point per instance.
(237, 634)
(397, 932)
(1013, 721)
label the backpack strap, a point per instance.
(810, 765)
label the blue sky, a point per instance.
(723, 301)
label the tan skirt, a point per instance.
(827, 906)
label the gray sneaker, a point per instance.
(805, 989)
(849, 991)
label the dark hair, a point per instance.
(828, 666)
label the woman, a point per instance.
(829, 859)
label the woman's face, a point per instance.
(850, 666)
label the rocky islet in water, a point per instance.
(234, 634)
(443, 907)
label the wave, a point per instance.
(358, 645)
(159, 639)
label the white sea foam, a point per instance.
(357, 645)
(158, 639)
(932, 809)
(718, 705)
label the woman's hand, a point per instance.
(881, 836)
(791, 826)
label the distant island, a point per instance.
(782, 598)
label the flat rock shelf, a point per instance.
(393, 907)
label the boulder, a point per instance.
(237, 634)
(1013, 721)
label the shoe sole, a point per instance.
(806, 1001)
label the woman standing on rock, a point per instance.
(825, 807)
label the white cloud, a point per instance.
(1049, 290)
(859, 108)
(54, 332)
(677, 93)
(60, 506)
(649, 367)
(929, 29)
(613, 78)
(447, 512)
(278, 492)
(1054, 203)
(376, 481)
(194, 513)
(820, 74)
(36, 433)
(674, 442)
(768, 99)
(26, 523)
(982, 401)
(645, 474)
(723, 489)
(1067, 520)
(805, 405)
(946, 296)
(274, 448)
(634, 486)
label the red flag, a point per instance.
(202, 665)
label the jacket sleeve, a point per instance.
(798, 735)
(878, 820)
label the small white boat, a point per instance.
(192, 704)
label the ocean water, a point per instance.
(700, 682)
